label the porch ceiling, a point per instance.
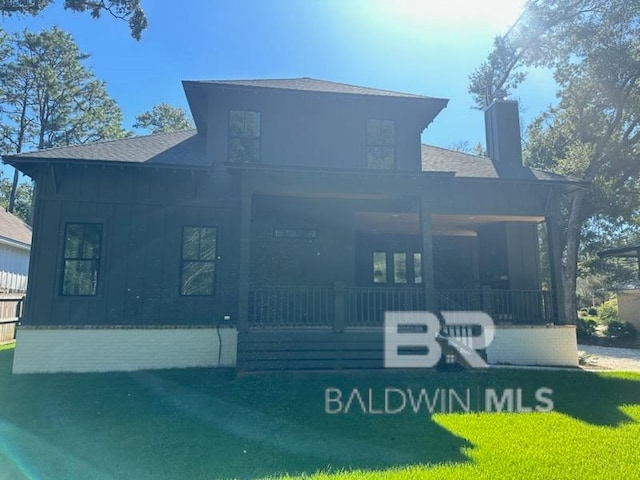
(468, 225)
(409, 223)
(388, 222)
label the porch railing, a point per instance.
(291, 306)
(366, 305)
(339, 306)
(504, 306)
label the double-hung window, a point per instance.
(381, 144)
(244, 136)
(81, 259)
(198, 266)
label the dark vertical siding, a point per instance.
(522, 247)
(319, 130)
(142, 211)
(116, 266)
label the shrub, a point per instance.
(609, 311)
(617, 329)
(593, 311)
(586, 328)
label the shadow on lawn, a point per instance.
(214, 424)
(596, 398)
(281, 423)
(198, 424)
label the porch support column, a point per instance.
(427, 256)
(245, 257)
(554, 245)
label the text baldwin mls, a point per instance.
(392, 400)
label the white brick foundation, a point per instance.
(122, 349)
(553, 345)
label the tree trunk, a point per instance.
(574, 225)
(14, 188)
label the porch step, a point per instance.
(310, 349)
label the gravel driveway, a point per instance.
(593, 357)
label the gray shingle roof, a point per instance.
(183, 148)
(187, 149)
(306, 84)
(464, 165)
(14, 229)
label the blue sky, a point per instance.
(417, 46)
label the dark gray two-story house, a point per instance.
(278, 233)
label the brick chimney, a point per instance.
(502, 126)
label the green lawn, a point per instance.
(206, 424)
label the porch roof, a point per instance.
(629, 251)
(464, 165)
(176, 149)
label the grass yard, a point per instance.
(206, 424)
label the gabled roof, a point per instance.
(464, 165)
(13, 230)
(306, 84)
(180, 149)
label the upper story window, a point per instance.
(381, 144)
(81, 259)
(197, 272)
(244, 136)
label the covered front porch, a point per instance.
(328, 259)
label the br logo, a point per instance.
(416, 339)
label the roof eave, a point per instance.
(190, 91)
(16, 161)
(398, 96)
(15, 243)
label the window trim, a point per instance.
(370, 145)
(257, 138)
(183, 262)
(383, 279)
(290, 233)
(64, 259)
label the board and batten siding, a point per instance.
(143, 211)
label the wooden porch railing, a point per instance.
(290, 306)
(366, 305)
(505, 306)
(339, 306)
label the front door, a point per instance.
(388, 260)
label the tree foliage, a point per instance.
(593, 133)
(49, 98)
(127, 10)
(164, 118)
(23, 197)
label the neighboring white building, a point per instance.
(15, 246)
